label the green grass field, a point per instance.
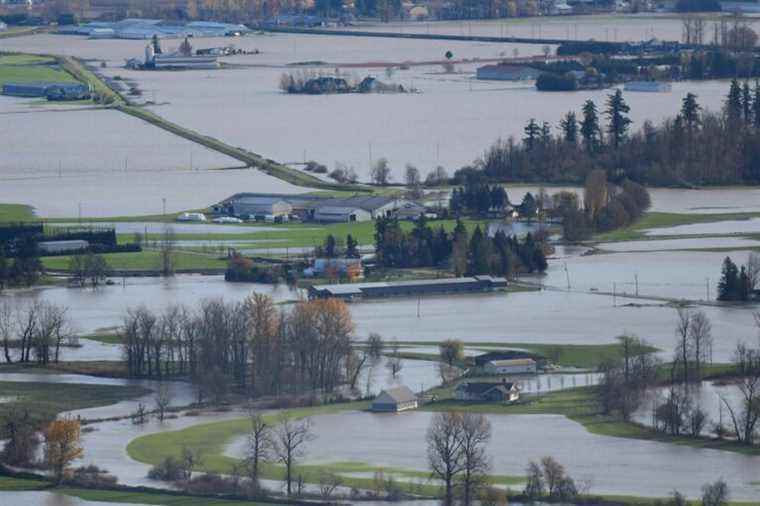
(16, 212)
(9, 484)
(145, 261)
(27, 68)
(46, 400)
(662, 220)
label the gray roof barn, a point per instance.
(503, 72)
(395, 399)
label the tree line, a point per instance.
(465, 254)
(252, 346)
(34, 332)
(25, 268)
(738, 283)
(694, 147)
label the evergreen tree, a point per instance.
(546, 133)
(590, 126)
(528, 207)
(569, 127)
(734, 102)
(619, 122)
(690, 112)
(479, 254)
(532, 133)
(352, 250)
(743, 287)
(330, 246)
(728, 287)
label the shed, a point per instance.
(394, 400)
(47, 247)
(332, 214)
(511, 366)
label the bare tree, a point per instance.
(744, 417)
(380, 172)
(260, 446)
(700, 337)
(291, 437)
(715, 494)
(375, 345)
(166, 250)
(554, 472)
(328, 483)
(444, 450)
(753, 270)
(683, 326)
(413, 180)
(394, 362)
(476, 433)
(162, 400)
(451, 350)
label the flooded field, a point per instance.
(613, 465)
(679, 244)
(450, 123)
(549, 316)
(599, 27)
(690, 275)
(121, 167)
(54, 499)
(751, 226)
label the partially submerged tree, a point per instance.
(291, 437)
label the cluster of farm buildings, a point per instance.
(497, 364)
(315, 208)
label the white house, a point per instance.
(395, 400)
(511, 366)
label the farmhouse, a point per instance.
(487, 392)
(511, 366)
(394, 400)
(415, 288)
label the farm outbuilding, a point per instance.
(395, 400)
(511, 366)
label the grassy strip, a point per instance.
(662, 220)
(583, 356)
(146, 261)
(254, 160)
(16, 213)
(104, 338)
(46, 400)
(8, 484)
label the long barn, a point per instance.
(353, 291)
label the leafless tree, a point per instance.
(291, 437)
(161, 401)
(476, 433)
(683, 348)
(447, 373)
(375, 345)
(744, 417)
(394, 362)
(444, 450)
(413, 180)
(700, 337)
(260, 446)
(7, 328)
(380, 172)
(753, 270)
(554, 472)
(166, 250)
(451, 350)
(328, 483)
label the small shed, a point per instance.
(394, 400)
(487, 392)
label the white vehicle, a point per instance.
(192, 217)
(227, 219)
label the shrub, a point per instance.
(171, 469)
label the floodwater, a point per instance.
(678, 244)
(751, 226)
(52, 499)
(672, 274)
(613, 465)
(614, 27)
(450, 123)
(105, 306)
(550, 316)
(86, 164)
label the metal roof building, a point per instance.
(414, 288)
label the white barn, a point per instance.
(511, 366)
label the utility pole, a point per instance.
(707, 288)
(163, 201)
(567, 276)
(614, 294)
(419, 300)
(636, 281)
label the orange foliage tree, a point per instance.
(62, 445)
